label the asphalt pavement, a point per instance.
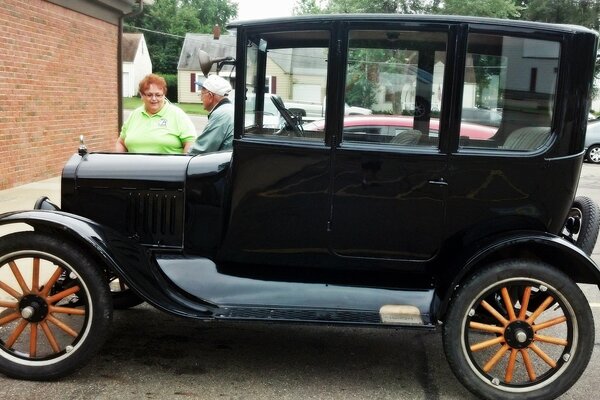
(152, 355)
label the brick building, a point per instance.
(59, 78)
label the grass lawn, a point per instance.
(129, 103)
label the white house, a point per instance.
(136, 62)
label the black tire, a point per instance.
(123, 297)
(582, 224)
(55, 304)
(471, 342)
(593, 154)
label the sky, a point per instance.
(256, 9)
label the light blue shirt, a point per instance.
(218, 132)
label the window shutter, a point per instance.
(193, 82)
(274, 84)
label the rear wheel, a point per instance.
(55, 307)
(519, 350)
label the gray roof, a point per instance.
(308, 61)
(129, 46)
(222, 47)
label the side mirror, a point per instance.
(206, 62)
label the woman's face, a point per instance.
(154, 99)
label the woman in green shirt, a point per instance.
(157, 126)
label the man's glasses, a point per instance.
(154, 95)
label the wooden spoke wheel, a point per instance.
(54, 307)
(519, 330)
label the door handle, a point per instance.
(439, 182)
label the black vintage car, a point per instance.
(472, 227)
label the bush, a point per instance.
(171, 87)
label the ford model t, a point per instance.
(449, 204)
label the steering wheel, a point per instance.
(287, 117)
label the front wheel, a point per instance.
(55, 307)
(502, 347)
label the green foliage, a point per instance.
(360, 90)
(171, 87)
(366, 6)
(166, 22)
(483, 8)
(579, 12)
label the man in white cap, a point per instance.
(218, 132)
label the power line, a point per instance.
(157, 32)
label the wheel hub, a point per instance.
(519, 335)
(33, 308)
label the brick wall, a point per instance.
(58, 80)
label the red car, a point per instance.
(397, 129)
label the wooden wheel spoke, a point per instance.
(10, 290)
(62, 325)
(8, 304)
(51, 282)
(487, 343)
(549, 300)
(61, 295)
(550, 339)
(528, 365)
(494, 313)
(19, 277)
(33, 340)
(508, 304)
(9, 318)
(543, 355)
(486, 328)
(16, 333)
(66, 310)
(548, 324)
(494, 360)
(35, 276)
(510, 368)
(50, 336)
(525, 303)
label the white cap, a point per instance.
(216, 84)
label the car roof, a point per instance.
(410, 18)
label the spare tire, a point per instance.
(582, 224)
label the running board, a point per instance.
(244, 298)
(396, 315)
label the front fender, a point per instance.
(546, 247)
(131, 262)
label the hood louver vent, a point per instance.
(156, 218)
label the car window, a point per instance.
(509, 86)
(398, 76)
(279, 105)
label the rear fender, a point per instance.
(552, 249)
(131, 262)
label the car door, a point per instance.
(388, 195)
(280, 196)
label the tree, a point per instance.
(166, 22)
(482, 8)
(365, 6)
(578, 12)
